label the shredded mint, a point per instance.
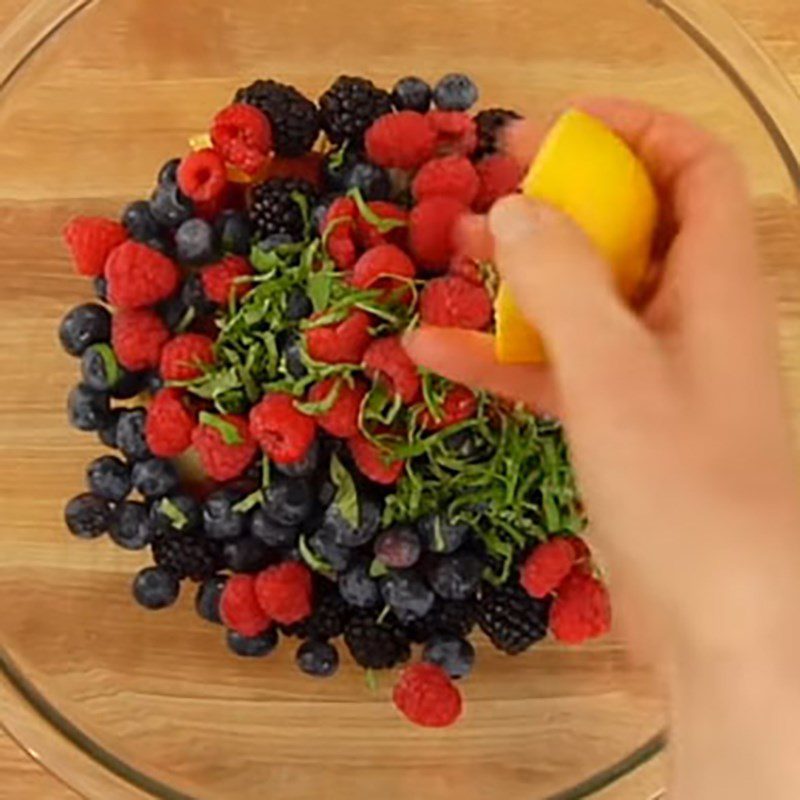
(229, 432)
(302, 202)
(381, 224)
(346, 498)
(319, 288)
(177, 518)
(387, 609)
(265, 473)
(250, 502)
(337, 157)
(377, 569)
(112, 367)
(371, 677)
(313, 560)
(324, 405)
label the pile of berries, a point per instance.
(277, 446)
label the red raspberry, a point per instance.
(220, 460)
(219, 279)
(374, 268)
(137, 337)
(90, 241)
(139, 276)
(582, 552)
(449, 176)
(307, 168)
(405, 140)
(239, 608)
(459, 404)
(427, 696)
(431, 230)
(284, 433)
(369, 235)
(170, 422)
(581, 610)
(547, 566)
(386, 358)
(284, 592)
(183, 357)
(340, 223)
(452, 302)
(342, 418)
(456, 132)
(341, 343)
(373, 462)
(202, 175)
(464, 267)
(243, 136)
(500, 175)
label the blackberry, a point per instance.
(350, 106)
(490, 123)
(453, 617)
(512, 619)
(376, 645)
(327, 620)
(276, 208)
(294, 118)
(186, 555)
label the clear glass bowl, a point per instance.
(94, 96)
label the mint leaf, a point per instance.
(177, 518)
(381, 224)
(346, 498)
(312, 559)
(228, 431)
(377, 569)
(319, 287)
(324, 405)
(251, 501)
(371, 677)
(302, 202)
(113, 370)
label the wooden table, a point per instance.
(769, 23)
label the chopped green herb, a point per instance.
(377, 569)
(229, 432)
(324, 405)
(346, 498)
(177, 518)
(113, 370)
(313, 560)
(382, 224)
(250, 502)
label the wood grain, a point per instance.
(82, 129)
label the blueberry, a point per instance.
(298, 305)
(357, 588)
(109, 477)
(219, 519)
(130, 434)
(194, 296)
(455, 92)
(252, 646)
(336, 169)
(323, 543)
(370, 510)
(196, 243)
(407, 594)
(175, 512)
(140, 222)
(440, 535)
(175, 313)
(131, 527)
(293, 358)
(233, 232)
(275, 241)
(270, 532)
(206, 601)
(456, 577)
(371, 180)
(83, 326)
(411, 94)
(88, 516)
(99, 367)
(108, 433)
(155, 587)
(168, 174)
(129, 385)
(453, 654)
(317, 658)
(87, 409)
(303, 468)
(246, 554)
(100, 287)
(170, 206)
(289, 501)
(154, 477)
(398, 547)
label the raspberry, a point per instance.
(202, 175)
(459, 404)
(467, 268)
(341, 419)
(183, 357)
(340, 225)
(137, 337)
(239, 607)
(386, 358)
(368, 234)
(374, 268)
(284, 433)
(139, 276)
(582, 552)
(170, 422)
(581, 610)
(219, 279)
(547, 566)
(284, 592)
(90, 241)
(455, 132)
(427, 696)
(405, 140)
(431, 230)
(452, 302)
(223, 461)
(243, 136)
(373, 462)
(499, 175)
(449, 176)
(341, 343)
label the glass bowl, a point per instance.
(124, 703)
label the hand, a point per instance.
(674, 414)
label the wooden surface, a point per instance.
(129, 681)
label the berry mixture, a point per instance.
(283, 452)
